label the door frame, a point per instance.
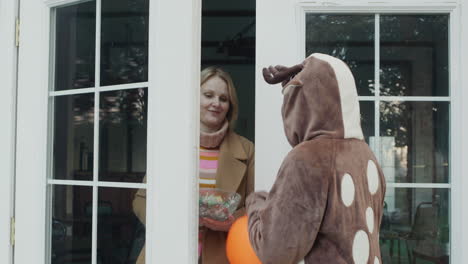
(8, 53)
(287, 18)
(173, 84)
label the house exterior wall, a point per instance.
(462, 236)
(7, 119)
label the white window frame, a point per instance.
(293, 51)
(172, 87)
(8, 53)
(459, 201)
(452, 10)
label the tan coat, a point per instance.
(235, 174)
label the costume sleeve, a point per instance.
(283, 224)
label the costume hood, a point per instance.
(321, 101)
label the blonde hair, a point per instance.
(233, 111)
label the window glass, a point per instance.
(367, 119)
(120, 234)
(348, 37)
(98, 161)
(73, 137)
(71, 224)
(124, 41)
(413, 140)
(122, 141)
(414, 55)
(75, 53)
(415, 226)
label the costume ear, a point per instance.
(279, 73)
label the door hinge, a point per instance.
(17, 32)
(12, 231)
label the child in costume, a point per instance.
(327, 201)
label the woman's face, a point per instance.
(214, 104)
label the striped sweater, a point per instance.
(208, 167)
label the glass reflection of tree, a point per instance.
(122, 109)
(394, 118)
(124, 42)
(124, 105)
(347, 37)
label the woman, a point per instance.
(226, 161)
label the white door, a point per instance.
(404, 59)
(107, 93)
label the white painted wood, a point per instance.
(174, 69)
(392, 6)
(459, 126)
(55, 3)
(276, 43)
(406, 98)
(97, 76)
(98, 184)
(100, 89)
(419, 185)
(32, 132)
(377, 147)
(8, 12)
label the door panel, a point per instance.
(399, 57)
(96, 109)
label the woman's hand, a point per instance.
(217, 225)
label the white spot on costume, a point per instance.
(347, 189)
(360, 248)
(370, 219)
(372, 177)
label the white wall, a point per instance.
(270, 142)
(461, 230)
(7, 117)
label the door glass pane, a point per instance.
(122, 141)
(415, 141)
(124, 41)
(415, 226)
(367, 120)
(122, 133)
(414, 55)
(75, 36)
(348, 37)
(71, 224)
(121, 235)
(73, 137)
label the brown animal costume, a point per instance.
(326, 203)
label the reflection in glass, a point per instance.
(122, 142)
(348, 37)
(414, 55)
(71, 224)
(415, 138)
(120, 236)
(415, 226)
(75, 37)
(73, 137)
(124, 41)
(367, 119)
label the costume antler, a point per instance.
(280, 73)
